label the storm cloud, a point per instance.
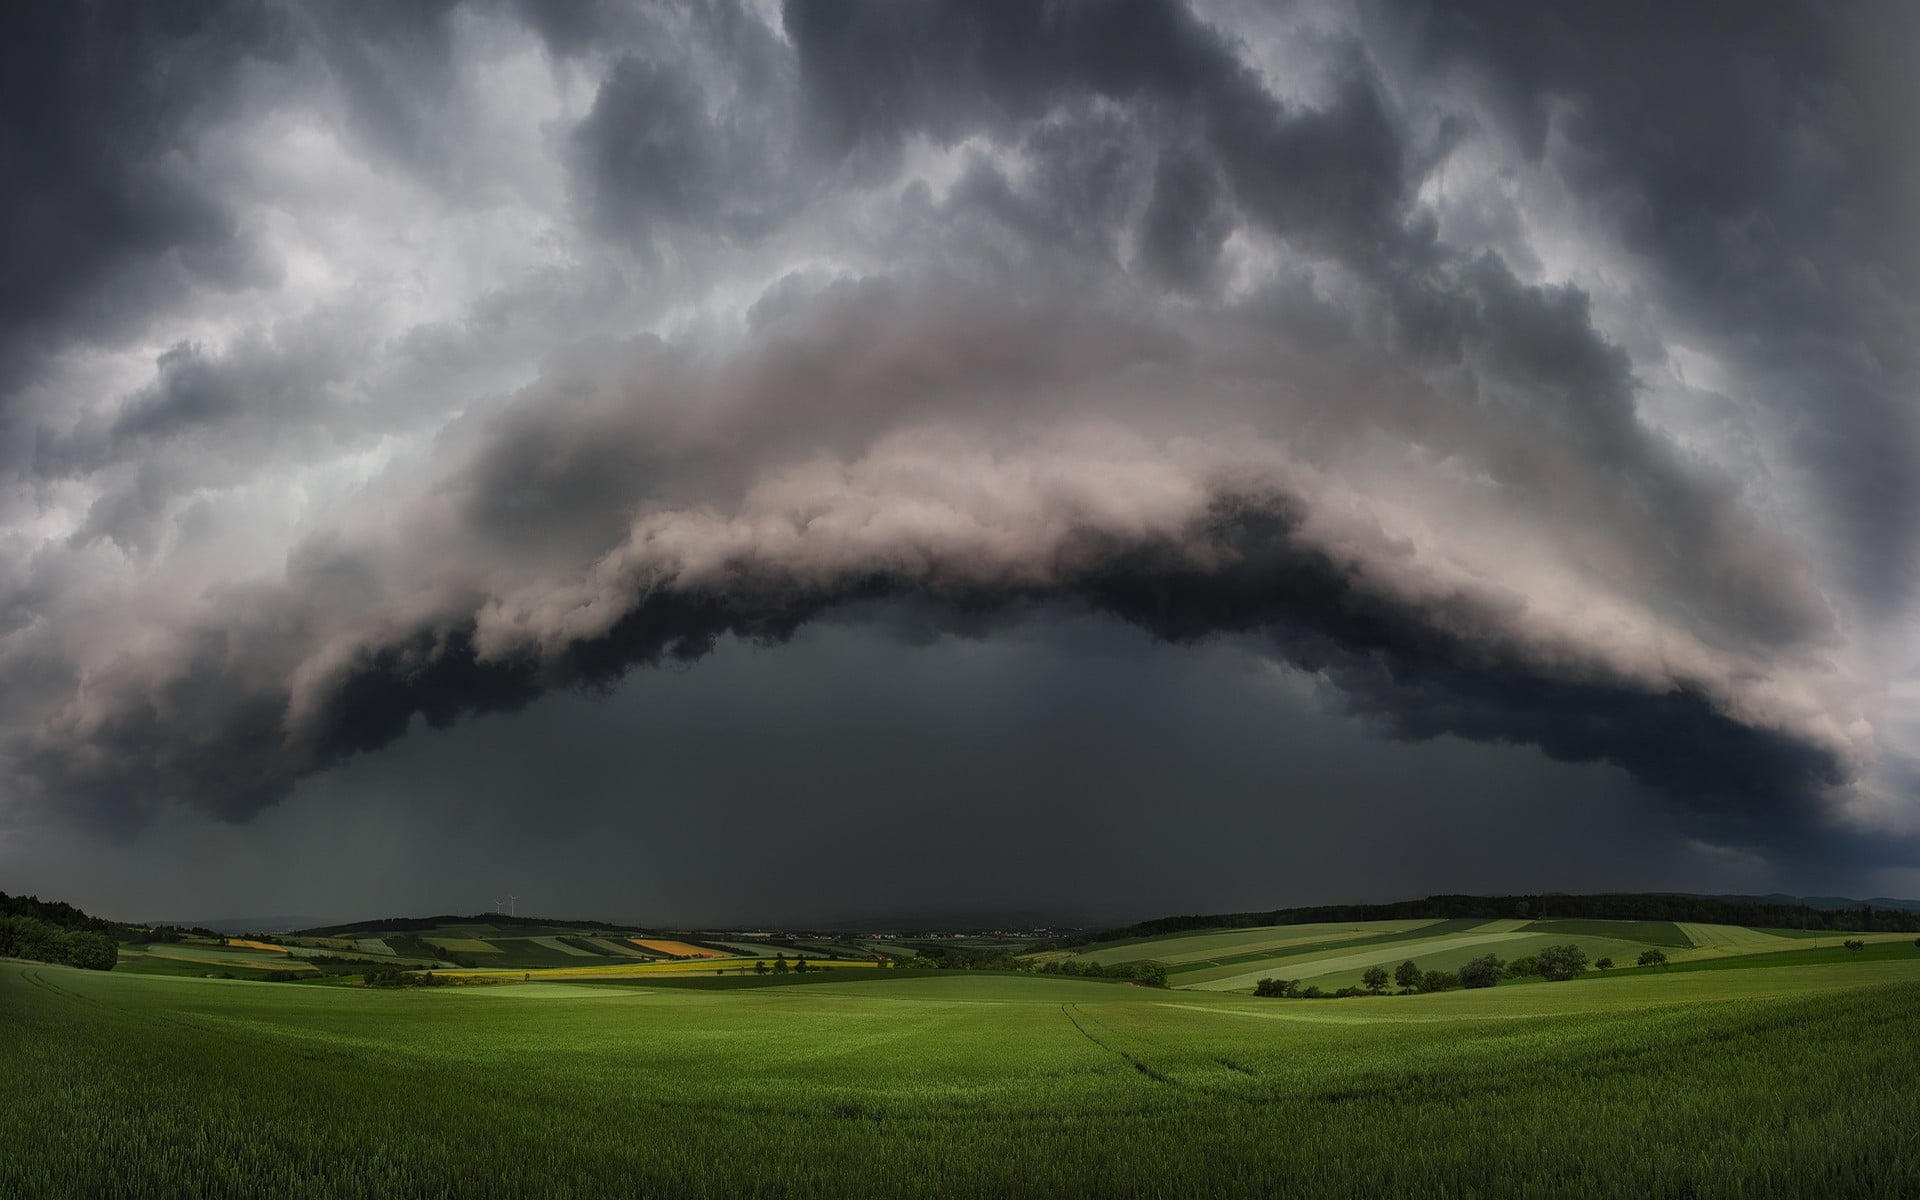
(1534, 378)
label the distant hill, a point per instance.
(415, 924)
(247, 924)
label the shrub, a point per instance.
(1652, 958)
(1274, 987)
(1524, 966)
(1439, 981)
(1604, 964)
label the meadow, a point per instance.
(1792, 1077)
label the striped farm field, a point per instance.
(1719, 941)
(1179, 949)
(676, 949)
(372, 945)
(456, 945)
(247, 944)
(648, 970)
(1336, 962)
(617, 948)
(554, 943)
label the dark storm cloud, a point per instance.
(610, 334)
(104, 218)
(1746, 150)
(875, 74)
(1389, 661)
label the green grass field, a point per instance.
(1793, 1080)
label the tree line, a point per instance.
(1650, 906)
(1551, 962)
(53, 931)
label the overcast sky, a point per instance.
(738, 463)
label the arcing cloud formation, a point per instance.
(1542, 376)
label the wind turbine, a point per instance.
(512, 910)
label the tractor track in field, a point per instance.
(38, 979)
(1080, 1020)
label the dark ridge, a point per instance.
(1770, 912)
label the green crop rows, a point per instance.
(1794, 1080)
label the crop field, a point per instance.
(644, 970)
(675, 949)
(554, 943)
(615, 949)
(1333, 956)
(1205, 947)
(198, 958)
(457, 945)
(1784, 1080)
(244, 943)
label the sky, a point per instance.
(745, 463)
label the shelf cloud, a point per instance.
(1541, 379)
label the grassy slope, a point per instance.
(1708, 1082)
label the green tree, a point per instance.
(1153, 975)
(1561, 963)
(1523, 966)
(780, 965)
(94, 951)
(1604, 964)
(1854, 945)
(1439, 981)
(1653, 958)
(760, 968)
(1482, 972)
(1375, 978)
(1407, 976)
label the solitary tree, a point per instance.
(1604, 964)
(1653, 958)
(780, 965)
(1376, 979)
(1562, 962)
(1482, 972)
(760, 968)
(1854, 944)
(1407, 976)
